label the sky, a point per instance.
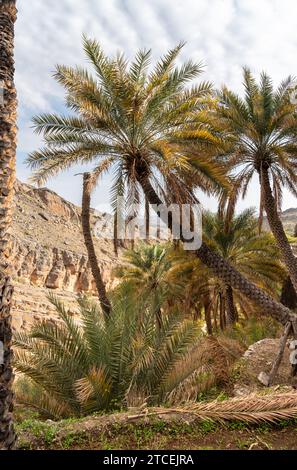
(224, 34)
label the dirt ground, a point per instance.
(167, 432)
(116, 432)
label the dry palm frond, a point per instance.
(199, 381)
(217, 357)
(206, 365)
(250, 409)
(232, 347)
(29, 394)
(189, 377)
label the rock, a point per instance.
(255, 365)
(43, 216)
(263, 378)
(240, 391)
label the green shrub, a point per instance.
(73, 369)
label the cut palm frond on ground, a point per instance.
(249, 409)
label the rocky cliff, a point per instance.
(49, 253)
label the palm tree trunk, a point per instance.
(147, 220)
(288, 294)
(86, 226)
(207, 314)
(224, 270)
(115, 234)
(8, 132)
(222, 312)
(277, 228)
(230, 307)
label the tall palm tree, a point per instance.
(8, 131)
(152, 130)
(88, 184)
(263, 130)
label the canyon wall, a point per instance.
(49, 254)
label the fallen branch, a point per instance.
(250, 409)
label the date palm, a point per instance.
(8, 130)
(152, 129)
(147, 269)
(76, 369)
(88, 184)
(263, 130)
(256, 256)
(110, 123)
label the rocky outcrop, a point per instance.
(48, 252)
(258, 358)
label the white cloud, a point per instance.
(225, 34)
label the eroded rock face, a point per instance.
(49, 254)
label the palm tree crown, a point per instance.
(147, 268)
(263, 132)
(130, 120)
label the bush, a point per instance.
(73, 369)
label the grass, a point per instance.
(39, 429)
(71, 440)
(153, 434)
(118, 433)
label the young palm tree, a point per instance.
(8, 130)
(96, 365)
(147, 269)
(152, 130)
(263, 131)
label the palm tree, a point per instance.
(8, 131)
(153, 131)
(79, 369)
(147, 269)
(147, 220)
(254, 255)
(263, 132)
(88, 184)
